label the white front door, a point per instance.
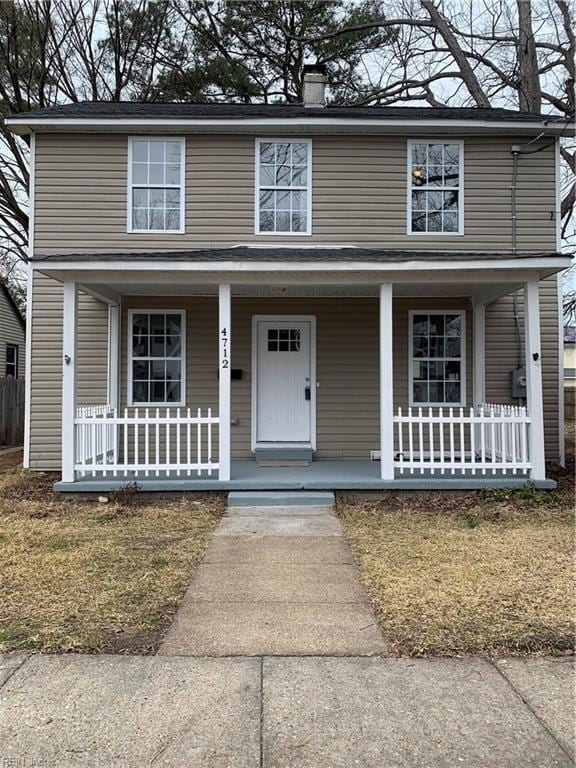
(284, 391)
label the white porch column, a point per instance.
(479, 352)
(113, 354)
(534, 379)
(69, 352)
(386, 385)
(224, 342)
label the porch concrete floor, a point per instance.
(337, 474)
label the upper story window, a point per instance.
(156, 185)
(283, 187)
(435, 188)
(12, 360)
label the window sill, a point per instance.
(156, 405)
(283, 234)
(435, 234)
(155, 231)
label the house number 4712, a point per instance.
(224, 358)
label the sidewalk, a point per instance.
(276, 581)
(278, 712)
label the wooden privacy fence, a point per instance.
(144, 441)
(12, 397)
(489, 439)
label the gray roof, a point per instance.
(246, 253)
(159, 110)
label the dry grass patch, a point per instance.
(478, 573)
(88, 577)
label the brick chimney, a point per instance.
(314, 91)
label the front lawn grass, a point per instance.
(481, 573)
(88, 577)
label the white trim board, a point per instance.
(29, 309)
(491, 266)
(23, 124)
(561, 393)
(254, 444)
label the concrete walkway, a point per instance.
(277, 712)
(275, 581)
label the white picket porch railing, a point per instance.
(147, 442)
(489, 439)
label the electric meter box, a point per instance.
(518, 383)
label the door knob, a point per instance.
(307, 393)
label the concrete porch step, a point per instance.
(280, 499)
(298, 456)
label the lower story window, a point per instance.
(437, 358)
(156, 357)
(12, 360)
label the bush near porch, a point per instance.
(78, 576)
(481, 573)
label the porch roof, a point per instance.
(324, 270)
(308, 254)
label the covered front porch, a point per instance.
(464, 443)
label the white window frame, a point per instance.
(279, 140)
(16, 349)
(182, 186)
(410, 188)
(462, 359)
(131, 358)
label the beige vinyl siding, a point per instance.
(359, 195)
(505, 351)
(46, 369)
(11, 332)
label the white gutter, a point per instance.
(201, 124)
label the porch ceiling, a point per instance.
(477, 291)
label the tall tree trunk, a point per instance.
(530, 95)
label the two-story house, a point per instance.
(305, 296)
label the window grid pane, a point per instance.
(283, 340)
(11, 360)
(437, 359)
(283, 186)
(156, 185)
(435, 185)
(156, 358)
